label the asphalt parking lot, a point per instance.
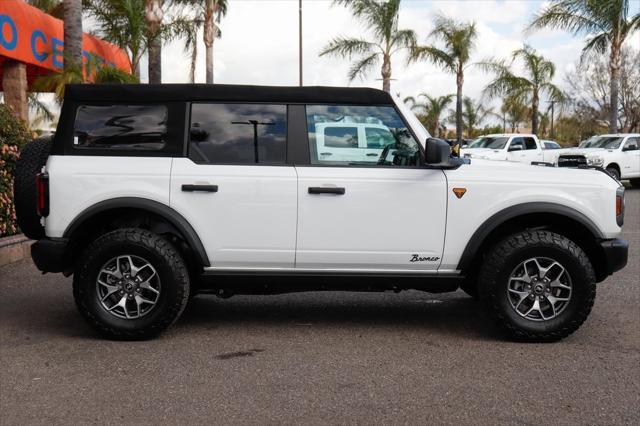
(318, 358)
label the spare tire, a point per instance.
(33, 157)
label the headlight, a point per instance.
(595, 161)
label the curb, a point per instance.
(14, 249)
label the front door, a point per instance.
(235, 188)
(384, 213)
(630, 158)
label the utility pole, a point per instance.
(300, 38)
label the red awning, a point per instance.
(31, 36)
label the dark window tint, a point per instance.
(238, 133)
(530, 143)
(341, 137)
(127, 127)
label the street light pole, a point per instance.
(300, 39)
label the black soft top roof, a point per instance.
(224, 92)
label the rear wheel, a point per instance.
(131, 284)
(538, 286)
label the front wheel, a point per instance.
(614, 172)
(131, 284)
(538, 286)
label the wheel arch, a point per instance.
(614, 165)
(117, 208)
(539, 215)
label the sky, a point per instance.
(259, 44)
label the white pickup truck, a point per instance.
(618, 153)
(521, 148)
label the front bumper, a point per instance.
(616, 252)
(50, 255)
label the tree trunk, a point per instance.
(459, 83)
(194, 58)
(72, 34)
(436, 130)
(615, 67)
(386, 73)
(534, 112)
(135, 67)
(14, 86)
(153, 16)
(209, 34)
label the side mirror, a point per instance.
(437, 152)
(515, 148)
(631, 147)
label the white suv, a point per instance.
(149, 194)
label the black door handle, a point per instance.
(326, 190)
(203, 188)
(372, 154)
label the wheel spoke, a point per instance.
(554, 299)
(534, 307)
(147, 286)
(110, 289)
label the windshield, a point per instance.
(490, 142)
(607, 142)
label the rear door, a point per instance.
(630, 158)
(369, 214)
(235, 187)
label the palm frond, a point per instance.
(362, 66)
(438, 57)
(342, 46)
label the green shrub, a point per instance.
(13, 135)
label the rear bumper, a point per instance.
(616, 252)
(49, 254)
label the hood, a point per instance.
(502, 171)
(582, 151)
(486, 153)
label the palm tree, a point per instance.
(539, 73)
(431, 110)
(54, 8)
(609, 24)
(208, 14)
(72, 34)
(473, 115)
(381, 19)
(458, 40)
(122, 22)
(514, 111)
(153, 15)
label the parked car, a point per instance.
(618, 154)
(521, 148)
(149, 194)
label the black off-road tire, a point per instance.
(32, 158)
(505, 256)
(614, 172)
(635, 183)
(161, 254)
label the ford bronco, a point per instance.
(149, 194)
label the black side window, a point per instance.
(530, 143)
(238, 133)
(121, 127)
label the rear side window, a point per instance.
(121, 127)
(238, 133)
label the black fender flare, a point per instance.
(512, 212)
(160, 209)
